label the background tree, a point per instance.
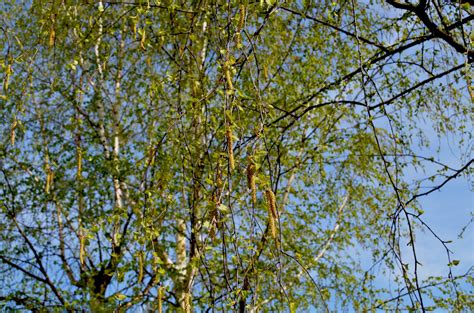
(219, 156)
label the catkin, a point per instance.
(12, 131)
(228, 78)
(251, 169)
(238, 40)
(240, 26)
(52, 31)
(272, 226)
(6, 81)
(241, 18)
(81, 249)
(140, 266)
(142, 40)
(271, 202)
(52, 37)
(230, 149)
(272, 212)
(160, 299)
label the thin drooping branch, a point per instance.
(420, 12)
(336, 28)
(386, 164)
(21, 269)
(39, 262)
(377, 57)
(427, 286)
(416, 87)
(456, 174)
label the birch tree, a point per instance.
(229, 156)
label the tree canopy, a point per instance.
(229, 155)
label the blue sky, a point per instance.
(447, 212)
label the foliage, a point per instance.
(226, 155)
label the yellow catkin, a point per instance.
(265, 71)
(52, 31)
(240, 26)
(12, 131)
(230, 149)
(228, 78)
(52, 36)
(271, 203)
(251, 169)
(81, 249)
(241, 17)
(272, 226)
(6, 81)
(238, 40)
(12, 136)
(142, 40)
(160, 299)
(272, 213)
(140, 266)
